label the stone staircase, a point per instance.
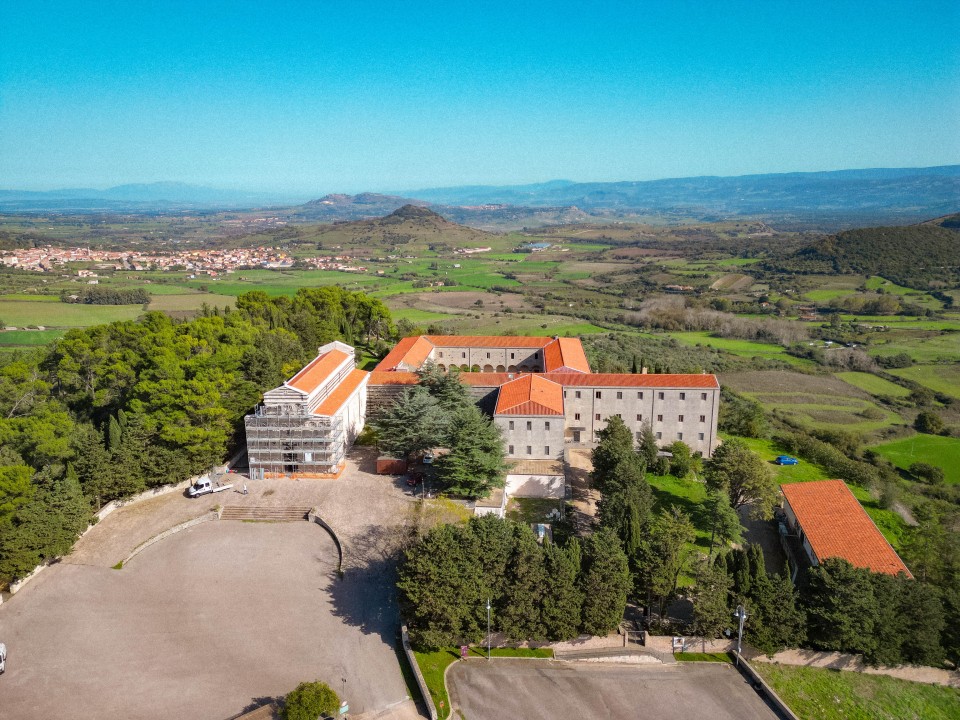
(264, 514)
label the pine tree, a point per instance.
(841, 607)
(604, 581)
(525, 581)
(562, 598)
(476, 462)
(742, 474)
(412, 424)
(725, 527)
(710, 611)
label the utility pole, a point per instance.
(741, 615)
(488, 629)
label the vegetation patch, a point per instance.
(939, 378)
(942, 452)
(872, 384)
(838, 695)
(702, 657)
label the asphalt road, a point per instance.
(200, 625)
(533, 689)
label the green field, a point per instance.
(822, 694)
(10, 338)
(939, 378)
(21, 313)
(943, 452)
(873, 384)
(190, 302)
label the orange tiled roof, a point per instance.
(411, 351)
(836, 525)
(335, 400)
(488, 341)
(655, 380)
(530, 395)
(565, 354)
(317, 371)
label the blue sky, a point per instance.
(346, 96)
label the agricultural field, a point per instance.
(734, 346)
(837, 695)
(873, 384)
(939, 378)
(943, 452)
(820, 401)
(22, 313)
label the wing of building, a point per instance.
(543, 396)
(829, 522)
(305, 426)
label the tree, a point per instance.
(626, 512)
(614, 454)
(742, 474)
(648, 446)
(710, 612)
(775, 622)
(604, 581)
(476, 462)
(725, 526)
(663, 555)
(928, 422)
(412, 424)
(562, 598)
(451, 394)
(682, 460)
(309, 701)
(925, 472)
(841, 607)
(525, 581)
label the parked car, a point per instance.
(786, 460)
(428, 458)
(414, 479)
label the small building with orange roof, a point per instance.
(830, 523)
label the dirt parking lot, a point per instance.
(533, 689)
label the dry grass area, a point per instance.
(783, 381)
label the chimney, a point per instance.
(643, 371)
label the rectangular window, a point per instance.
(529, 450)
(639, 396)
(463, 354)
(511, 424)
(703, 396)
(659, 418)
(659, 396)
(576, 416)
(683, 396)
(546, 425)
(679, 436)
(619, 396)
(659, 435)
(577, 394)
(513, 356)
(529, 425)
(598, 416)
(679, 418)
(546, 450)
(564, 393)
(700, 436)
(536, 356)
(488, 356)
(510, 450)
(703, 418)
(441, 353)
(599, 395)
(639, 417)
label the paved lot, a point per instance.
(532, 689)
(217, 617)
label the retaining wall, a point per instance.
(167, 533)
(664, 643)
(313, 517)
(421, 683)
(758, 681)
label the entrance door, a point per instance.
(576, 436)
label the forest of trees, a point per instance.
(97, 295)
(110, 410)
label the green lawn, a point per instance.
(939, 378)
(28, 337)
(702, 657)
(944, 452)
(21, 313)
(821, 694)
(689, 496)
(873, 384)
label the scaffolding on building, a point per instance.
(279, 443)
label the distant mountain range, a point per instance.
(839, 198)
(138, 196)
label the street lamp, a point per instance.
(741, 615)
(488, 629)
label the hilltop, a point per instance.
(409, 225)
(917, 256)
